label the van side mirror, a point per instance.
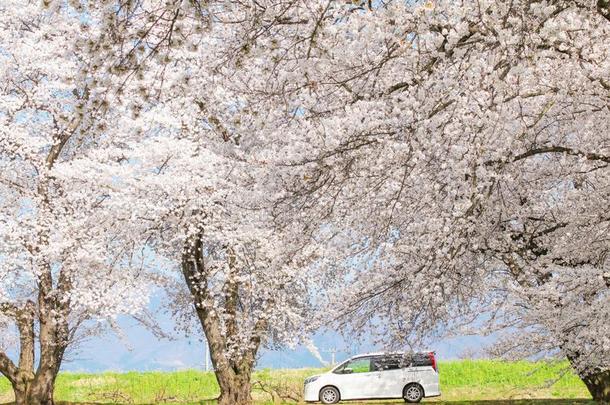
(347, 371)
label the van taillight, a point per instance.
(433, 361)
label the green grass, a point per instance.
(478, 380)
(489, 379)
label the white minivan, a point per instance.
(411, 376)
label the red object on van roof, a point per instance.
(433, 361)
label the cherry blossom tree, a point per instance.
(197, 167)
(461, 152)
(206, 217)
(60, 265)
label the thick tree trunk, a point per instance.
(21, 390)
(36, 389)
(52, 347)
(232, 373)
(41, 391)
(598, 384)
(597, 381)
(234, 388)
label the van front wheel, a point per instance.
(413, 393)
(329, 395)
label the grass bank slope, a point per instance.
(468, 380)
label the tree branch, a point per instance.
(8, 309)
(562, 149)
(603, 8)
(25, 324)
(231, 292)
(8, 368)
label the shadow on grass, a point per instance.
(542, 401)
(437, 402)
(539, 401)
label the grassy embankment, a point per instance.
(460, 381)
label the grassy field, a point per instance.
(474, 382)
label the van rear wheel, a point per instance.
(413, 393)
(329, 395)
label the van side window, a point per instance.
(362, 365)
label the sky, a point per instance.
(140, 350)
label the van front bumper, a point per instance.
(311, 392)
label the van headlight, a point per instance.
(311, 379)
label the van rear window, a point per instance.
(420, 360)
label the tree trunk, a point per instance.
(233, 374)
(53, 340)
(21, 390)
(235, 387)
(41, 392)
(52, 350)
(598, 384)
(36, 389)
(597, 381)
